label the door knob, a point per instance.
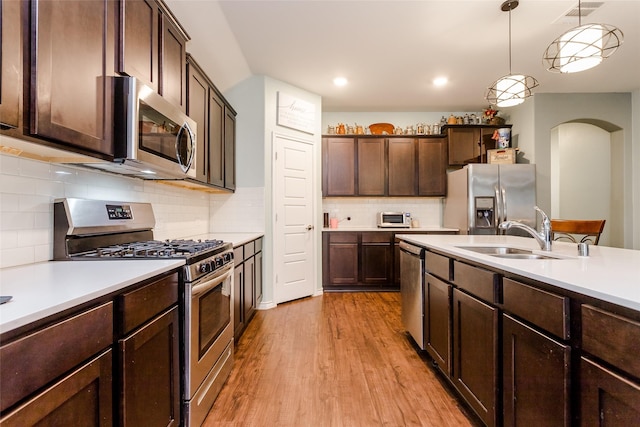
(309, 227)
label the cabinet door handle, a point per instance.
(309, 227)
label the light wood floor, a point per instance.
(342, 359)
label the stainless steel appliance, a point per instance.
(412, 291)
(481, 196)
(153, 139)
(103, 230)
(394, 219)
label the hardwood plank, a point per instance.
(342, 359)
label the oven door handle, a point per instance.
(210, 284)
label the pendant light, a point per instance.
(511, 89)
(582, 47)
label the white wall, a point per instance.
(581, 194)
(362, 210)
(613, 112)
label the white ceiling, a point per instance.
(390, 50)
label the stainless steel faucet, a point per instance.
(543, 237)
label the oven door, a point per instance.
(208, 325)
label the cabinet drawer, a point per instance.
(238, 254)
(376, 237)
(612, 338)
(437, 265)
(38, 358)
(258, 243)
(249, 250)
(140, 305)
(343, 237)
(545, 310)
(479, 282)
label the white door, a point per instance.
(294, 234)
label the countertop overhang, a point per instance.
(47, 288)
(609, 274)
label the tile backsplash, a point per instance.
(362, 211)
(28, 189)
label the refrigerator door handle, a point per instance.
(497, 216)
(504, 203)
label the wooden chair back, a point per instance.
(568, 229)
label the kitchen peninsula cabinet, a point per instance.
(11, 60)
(215, 137)
(469, 143)
(70, 66)
(609, 368)
(247, 291)
(475, 339)
(535, 333)
(566, 342)
(384, 166)
(153, 48)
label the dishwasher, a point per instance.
(412, 290)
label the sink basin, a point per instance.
(523, 256)
(507, 252)
(496, 250)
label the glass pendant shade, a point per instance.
(582, 48)
(511, 90)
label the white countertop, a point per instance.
(42, 289)
(609, 274)
(396, 230)
(236, 238)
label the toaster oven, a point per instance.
(394, 220)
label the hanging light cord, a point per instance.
(510, 37)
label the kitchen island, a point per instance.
(528, 337)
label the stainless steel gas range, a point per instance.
(105, 230)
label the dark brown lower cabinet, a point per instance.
(150, 373)
(536, 377)
(377, 258)
(437, 319)
(475, 350)
(341, 258)
(607, 398)
(82, 398)
(247, 286)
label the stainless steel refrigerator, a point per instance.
(481, 196)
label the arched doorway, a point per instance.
(587, 177)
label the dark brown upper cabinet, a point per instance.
(72, 56)
(11, 60)
(384, 166)
(469, 143)
(215, 158)
(152, 48)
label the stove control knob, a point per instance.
(205, 267)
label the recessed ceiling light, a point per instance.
(440, 81)
(340, 81)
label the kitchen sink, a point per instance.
(507, 252)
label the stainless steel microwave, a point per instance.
(394, 220)
(151, 134)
